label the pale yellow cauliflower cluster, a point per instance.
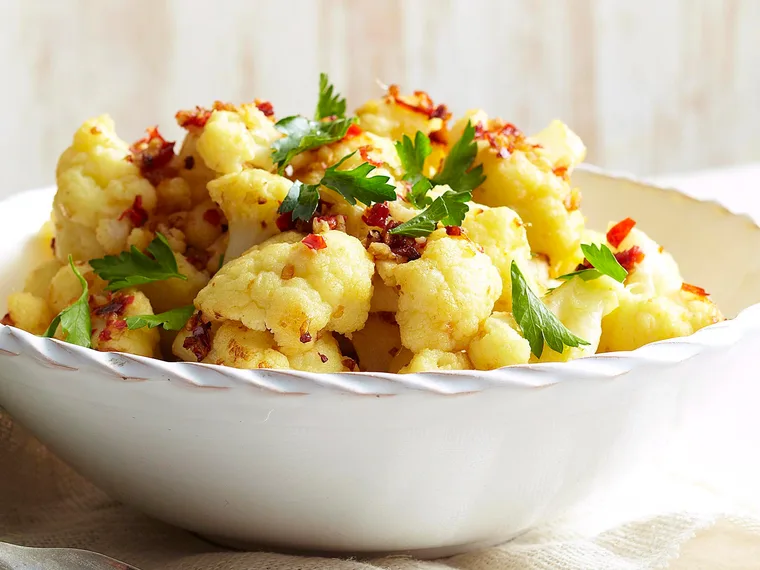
(249, 283)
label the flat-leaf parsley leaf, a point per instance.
(457, 171)
(75, 319)
(172, 320)
(329, 104)
(537, 323)
(603, 262)
(131, 268)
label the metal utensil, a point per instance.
(13, 557)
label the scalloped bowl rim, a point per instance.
(129, 367)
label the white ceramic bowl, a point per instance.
(425, 463)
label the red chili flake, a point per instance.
(213, 216)
(419, 103)
(323, 357)
(694, 289)
(630, 257)
(197, 117)
(377, 216)
(189, 162)
(136, 214)
(439, 137)
(105, 335)
(331, 221)
(314, 242)
(7, 320)
(119, 324)
(480, 131)
(403, 246)
(620, 231)
(152, 152)
(199, 341)
(560, 171)
(453, 230)
(52, 244)
(116, 306)
(305, 337)
(285, 222)
(353, 131)
(364, 153)
(350, 364)
(265, 107)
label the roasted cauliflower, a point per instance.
(387, 241)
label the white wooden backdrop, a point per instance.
(651, 85)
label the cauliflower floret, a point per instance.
(65, 287)
(501, 234)
(240, 347)
(580, 306)
(203, 225)
(96, 184)
(38, 281)
(640, 320)
(397, 115)
(446, 294)
(324, 357)
(233, 139)
(563, 147)
(657, 273)
(498, 344)
(29, 312)
(174, 195)
(193, 169)
(249, 200)
(377, 343)
(172, 293)
(435, 360)
(384, 297)
(294, 291)
(522, 176)
(109, 329)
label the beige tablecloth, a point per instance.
(44, 503)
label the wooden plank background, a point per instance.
(651, 85)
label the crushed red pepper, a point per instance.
(420, 103)
(265, 107)
(197, 117)
(350, 364)
(620, 231)
(694, 289)
(199, 341)
(323, 357)
(630, 257)
(136, 214)
(7, 320)
(364, 153)
(189, 162)
(377, 215)
(153, 154)
(115, 306)
(314, 242)
(353, 131)
(453, 231)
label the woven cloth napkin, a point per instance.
(44, 503)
